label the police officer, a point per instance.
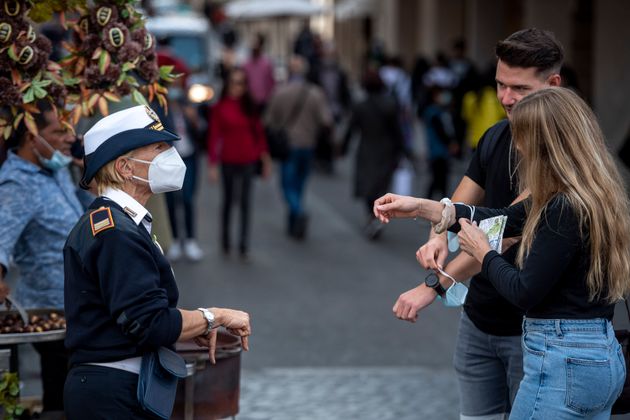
(120, 291)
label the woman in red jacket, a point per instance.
(236, 141)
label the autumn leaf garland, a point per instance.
(110, 55)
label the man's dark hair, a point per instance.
(532, 48)
(19, 135)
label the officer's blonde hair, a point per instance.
(108, 176)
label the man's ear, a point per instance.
(29, 139)
(554, 80)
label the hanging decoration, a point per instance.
(112, 55)
(26, 74)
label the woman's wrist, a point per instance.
(418, 208)
(482, 252)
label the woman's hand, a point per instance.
(392, 206)
(473, 240)
(267, 166)
(213, 173)
(433, 254)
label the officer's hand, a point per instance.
(413, 301)
(209, 341)
(236, 322)
(432, 255)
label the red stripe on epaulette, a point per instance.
(101, 220)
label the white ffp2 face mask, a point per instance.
(166, 172)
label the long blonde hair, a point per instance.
(563, 151)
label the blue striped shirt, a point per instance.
(38, 209)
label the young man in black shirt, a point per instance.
(488, 356)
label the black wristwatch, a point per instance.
(433, 281)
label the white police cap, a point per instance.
(119, 133)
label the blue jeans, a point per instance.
(295, 171)
(574, 369)
(489, 369)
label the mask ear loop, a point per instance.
(471, 209)
(444, 273)
(453, 243)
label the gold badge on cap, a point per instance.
(158, 124)
(152, 114)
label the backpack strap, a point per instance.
(492, 137)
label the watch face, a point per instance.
(432, 280)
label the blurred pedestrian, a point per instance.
(419, 92)
(398, 84)
(488, 356)
(121, 296)
(573, 262)
(375, 120)
(236, 142)
(440, 73)
(260, 74)
(181, 119)
(334, 83)
(306, 105)
(480, 107)
(466, 73)
(38, 208)
(440, 137)
(305, 46)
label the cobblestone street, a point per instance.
(348, 393)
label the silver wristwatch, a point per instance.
(209, 316)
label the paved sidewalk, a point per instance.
(366, 393)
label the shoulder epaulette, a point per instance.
(101, 219)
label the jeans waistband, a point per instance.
(562, 326)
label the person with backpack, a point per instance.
(300, 108)
(488, 357)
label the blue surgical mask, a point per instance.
(456, 294)
(57, 161)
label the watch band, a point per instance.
(433, 281)
(209, 317)
(440, 290)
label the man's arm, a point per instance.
(434, 253)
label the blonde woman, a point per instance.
(573, 262)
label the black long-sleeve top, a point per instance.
(120, 291)
(552, 283)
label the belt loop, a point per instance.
(558, 329)
(524, 325)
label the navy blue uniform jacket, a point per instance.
(120, 291)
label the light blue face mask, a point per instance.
(456, 294)
(57, 161)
